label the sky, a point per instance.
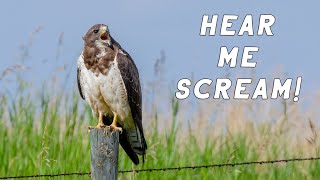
(144, 28)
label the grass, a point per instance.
(44, 131)
(51, 137)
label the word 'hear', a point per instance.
(264, 25)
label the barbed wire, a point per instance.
(222, 165)
(171, 168)
(46, 175)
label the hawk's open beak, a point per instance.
(104, 33)
(105, 36)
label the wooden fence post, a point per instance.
(104, 150)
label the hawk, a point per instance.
(108, 80)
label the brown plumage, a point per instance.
(108, 80)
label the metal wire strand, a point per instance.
(171, 168)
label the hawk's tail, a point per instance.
(138, 142)
(128, 148)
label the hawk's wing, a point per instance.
(130, 77)
(78, 82)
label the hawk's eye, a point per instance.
(95, 31)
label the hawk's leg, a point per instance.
(100, 123)
(114, 123)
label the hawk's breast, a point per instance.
(114, 92)
(106, 92)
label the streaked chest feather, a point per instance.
(105, 92)
(98, 60)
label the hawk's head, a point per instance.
(98, 33)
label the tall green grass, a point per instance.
(50, 136)
(44, 131)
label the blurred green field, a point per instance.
(48, 135)
(45, 131)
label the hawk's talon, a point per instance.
(115, 128)
(102, 126)
(99, 126)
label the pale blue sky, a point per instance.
(145, 27)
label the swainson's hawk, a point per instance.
(108, 80)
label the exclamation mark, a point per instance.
(298, 87)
